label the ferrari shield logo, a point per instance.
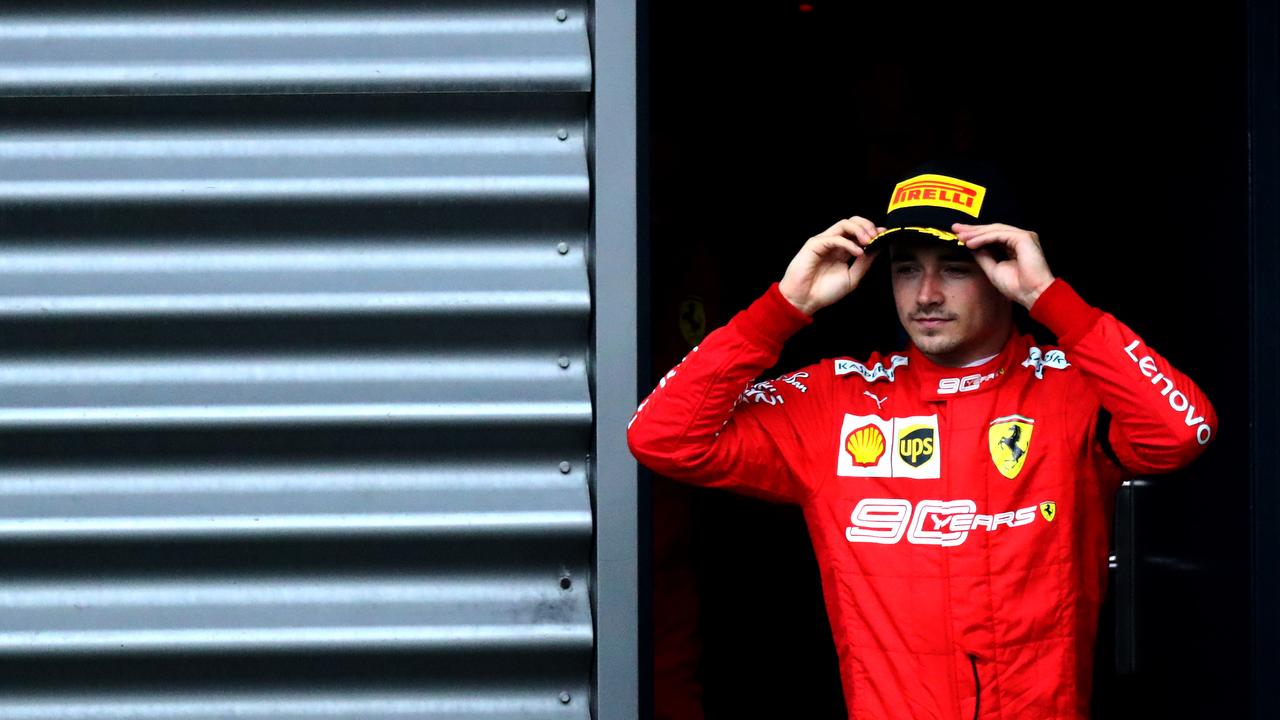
(1049, 510)
(1010, 441)
(693, 320)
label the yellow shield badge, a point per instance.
(1010, 441)
(693, 320)
(1049, 509)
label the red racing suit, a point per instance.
(961, 518)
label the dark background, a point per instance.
(1125, 132)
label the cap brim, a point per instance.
(943, 235)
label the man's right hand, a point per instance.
(820, 274)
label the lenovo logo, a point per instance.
(1178, 402)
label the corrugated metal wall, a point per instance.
(295, 407)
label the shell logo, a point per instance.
(866, 445)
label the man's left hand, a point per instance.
(1024, 274)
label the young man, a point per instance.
(959, 494)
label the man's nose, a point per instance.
(930, 291)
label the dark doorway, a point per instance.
(1126, 131)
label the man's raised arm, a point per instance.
(1161, 420)
(706, 423)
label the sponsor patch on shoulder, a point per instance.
(794, 380)
(1038, 361)
(762, 392)
(876, 372)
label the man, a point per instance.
(959, 494)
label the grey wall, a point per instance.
(615, 226)
(295, 410)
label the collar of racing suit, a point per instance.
(938, 382)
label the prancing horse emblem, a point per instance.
(1010, 440)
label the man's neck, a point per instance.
(981, 361)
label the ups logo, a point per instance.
(915, 444)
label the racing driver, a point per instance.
(958, 494)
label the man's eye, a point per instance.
(960, 270)
(903, 270)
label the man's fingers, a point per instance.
(961, 227)
(986, 262)
(978, 241)
(859, 268)
(867, 225)
(860, 228)
(833, 229)
(826, 242)
(1003, 237)
(856, 227)
(1009, 233)
(839, 226)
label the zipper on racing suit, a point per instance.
(977, 687)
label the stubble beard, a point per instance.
(936, 344)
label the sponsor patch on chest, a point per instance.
(906, 447)
(946, 523)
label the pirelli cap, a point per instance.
(935, 195)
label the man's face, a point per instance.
(948, 307)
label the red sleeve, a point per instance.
(1160, 419)
(707, 423)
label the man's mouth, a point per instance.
(930, 322)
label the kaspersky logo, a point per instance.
(938, 191)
